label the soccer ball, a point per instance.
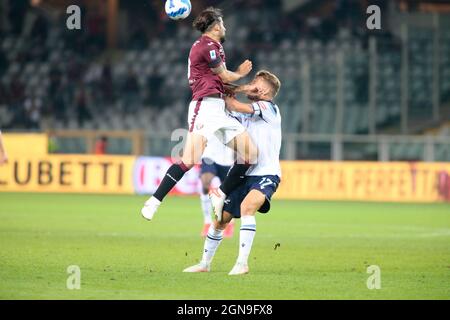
(178, 9)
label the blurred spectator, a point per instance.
(52, 144)
(101, 145)
(4, 97)
(17, 11)
(131, 92)
(443, 186)
(138, 38)
(16, 89)
(362, 87)
(3, 62)
(39, 29)
(154, 84)
(55, 79)
(106, 83)
(58, 107)
(96, 26)
(75, 70)
(83, 113)
(33, 108)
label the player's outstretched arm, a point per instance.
(232, 89)
(228, 76)
(234, 105)
(248, 88)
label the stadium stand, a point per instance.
(51, 79)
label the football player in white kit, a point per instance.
(217, 160)
(262, 179)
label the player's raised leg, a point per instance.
(212, 242)
(247, 155)
(252, 202)
(193, 149)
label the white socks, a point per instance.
(246, 236)
(206, 208)
(153, 201)
(212, 241)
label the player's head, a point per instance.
(267, 84)
(210, 21)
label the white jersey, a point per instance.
(264, 127)
(218, 152)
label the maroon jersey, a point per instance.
(205, 54)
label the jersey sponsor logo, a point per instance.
(213, 55)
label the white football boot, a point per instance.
(150, 207)
(238, 269)
(217, 200)
(201, 267)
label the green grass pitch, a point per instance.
(324, 251)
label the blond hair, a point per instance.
(271, 79)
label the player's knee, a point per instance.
(188, 160)
(220, 225)
(206, 182)
(205, 187)
(248, 210)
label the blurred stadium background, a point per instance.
(348, 93)
(92, 111)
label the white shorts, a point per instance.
(207, 117)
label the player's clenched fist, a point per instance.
(245, 68)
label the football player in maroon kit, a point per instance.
(208, 74)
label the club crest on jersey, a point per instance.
(212, 54)
(198, 126)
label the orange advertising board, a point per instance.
(366, 181)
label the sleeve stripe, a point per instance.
(256, 109)
(215, 63)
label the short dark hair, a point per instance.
(206, 19)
